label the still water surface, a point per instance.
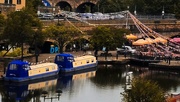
(103, 84)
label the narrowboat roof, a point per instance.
(42, 65)
(84, 57)
(18, 62)
(65, 54)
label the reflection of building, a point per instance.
(11, 5)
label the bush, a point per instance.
(144, 91)
(16, 52)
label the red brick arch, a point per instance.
(74, 3)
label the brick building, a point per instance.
(11, 5)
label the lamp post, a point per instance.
(127, 27)
(58, 17)
(135, 13)
(163, 13)
(45, 95)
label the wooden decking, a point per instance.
(174, 65)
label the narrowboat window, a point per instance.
(47, 69)
(93, 60)
(47, 83)
(71, 59)
(53, 82)
(25, 93)
(12, 93)
(13, 67)
(87, 61)
(60, 58)
(53, 68)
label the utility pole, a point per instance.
(127, 27)
(135, 13)
(163, 13)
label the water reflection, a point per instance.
(108, 75)
(169, 81)
(45, 89)
(102, 84)
(16, 92)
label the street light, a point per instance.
(163, 13)
(58, 17)
(45, 94)
(127, 27)
(135, 13)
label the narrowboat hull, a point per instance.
(35, 77)
(79, 68)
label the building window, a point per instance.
(18, 1)
(8, 1)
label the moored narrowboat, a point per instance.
(19, 71)
(69, 63)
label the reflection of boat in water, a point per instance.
(67, 78)
(24, 91)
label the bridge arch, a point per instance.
(72, 3)
(64, 5)
(85, 7)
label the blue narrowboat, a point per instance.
(19, 71)
(69, 63)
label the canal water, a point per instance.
(102, 84)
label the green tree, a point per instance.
(62, 35)
(87, 8)
(101, 36)
(107, 6)
(119, 36)
(151, 7)
(109, 37)
(144, 91)
(21, 27)
(34, 4)
(155, 7)
(2, 23)
(2, 20)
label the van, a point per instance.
(125, 49)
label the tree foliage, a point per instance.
(110, 6)
(109, 37)
(2, 20)
(21, 26)
(144, 91)
(2, 23)
(62, 35)
(33, 4)
(151, 7)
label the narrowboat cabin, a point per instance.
(69, 63)
(19, 71)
